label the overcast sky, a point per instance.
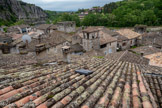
(68, 5)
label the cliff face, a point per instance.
(14, 9)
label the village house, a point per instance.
(82, 15)
(5, 43)
(96, 9)
(57, 40)
(24, 28)
(13, 29)
(46, 28)
(133, 38)
(67, 26)
(77, 38)
(140, 29)
(152, 38)
(98, 39)
(108, 44)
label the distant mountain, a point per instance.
(13, 10)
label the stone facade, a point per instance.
(91, 40)
(76, 39)
(110, 48)
(57, 49)
(123, 45)
(68, 26)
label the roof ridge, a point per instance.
(122, 55)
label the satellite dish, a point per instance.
(26, 38)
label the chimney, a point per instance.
(66, 52)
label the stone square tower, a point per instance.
(91, 39)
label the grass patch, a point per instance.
(133, 47)
(100, 57)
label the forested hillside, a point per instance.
(126, 13)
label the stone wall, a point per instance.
(110, 48)
(66, 27)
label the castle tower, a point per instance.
(91, 39)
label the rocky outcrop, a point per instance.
(14, 9)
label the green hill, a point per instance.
(127, 13)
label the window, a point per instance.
(103, 46)
(92, 37)
(124, 44)
(87, 35)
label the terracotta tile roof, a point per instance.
(13, 29)
(43, 26)
(112, 84)
(155, 59)
(58, 37)
(130, 34)
(15, 60)
(53, 39)
(146, 50)
(91, 29)
(23, 26)
(153, 76)
(16, 36)
(77, 48)
(104, 33)
(66, 22)
(153, 38)
(106, 38)
(128, 56)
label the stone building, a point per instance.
(67, 26)
(13, 29)
(96, 38)
(108, 44)
(24, 28)
(91, 39)
(56, 40)
(5, 43)
(46, 28)
(152, 38)
(140, 29)
(77, 39)
(130, 39)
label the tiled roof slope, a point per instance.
(146, 50)
(155, 59)
(16, 60)
(153, 76)
(128, 56)
(128, 33)
(113, 84)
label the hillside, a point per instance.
(131, 12)
(127, 13)
(12, 10)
